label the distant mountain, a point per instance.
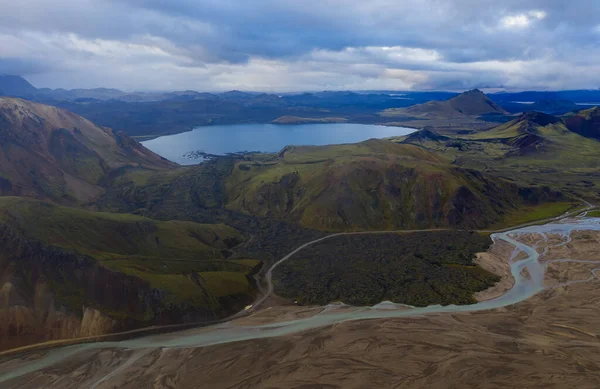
(75, 94)
(576, 96)
(178, 115)
(428, 96)
(236, 95)
(15, 86)
(48, 152)
(528, 133)
(553, 107)
(188, 95)
(585, 122)
(527, 123)
(470, 103)
(533, 118)
(345, 99)
(530, 150)
(266, 100)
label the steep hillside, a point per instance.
(15, 86)
(46, 152)
(530, 132)
(533, 149)
(373, 185)
(470, 103)
(532, 123)
(585, 123)
(66, 273)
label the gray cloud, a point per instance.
(281, 45)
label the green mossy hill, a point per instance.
(373, 185)
(111, 235)
(197, 193)
(529, 123)
(412, 268)
(585, 122)
(534, 149)
(188, 265)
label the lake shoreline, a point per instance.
(220, 140)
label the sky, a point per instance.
(302, 45)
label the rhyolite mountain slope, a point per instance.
(67, 273)
(47, 152)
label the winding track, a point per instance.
(269, 273)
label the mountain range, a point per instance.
(151, 114)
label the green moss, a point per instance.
(109, 235)
(373, 185)
(534, 213)
(562, 160)
(225, 283)
(169, 255)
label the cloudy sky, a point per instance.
(293, 45)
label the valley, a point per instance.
(561, 263)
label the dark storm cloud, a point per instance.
(310, 44)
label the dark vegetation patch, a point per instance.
(412, 268)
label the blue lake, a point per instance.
(221, 140)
